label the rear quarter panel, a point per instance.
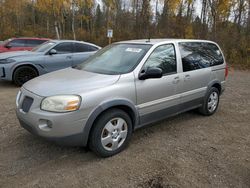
(218, 71)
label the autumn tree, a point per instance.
(224, 21)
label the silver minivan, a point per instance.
(123, 87)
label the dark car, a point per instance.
(21, 44)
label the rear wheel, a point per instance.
(23, 74)
(111, 133)
(211, 102)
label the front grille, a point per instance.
(27, 102)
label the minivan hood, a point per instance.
(14, 54)
(68, 81)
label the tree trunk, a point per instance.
(241, 3)
(204, 18)
(248, 18)
(73, 20)
(57, 31)
(33, 15)
(47, 26)
(213, 7)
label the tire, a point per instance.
(23, 74)
(211, 102)
(109, 137)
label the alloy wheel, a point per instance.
(212, 102)
(114, 134)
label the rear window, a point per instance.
(198, 55)
(93, 48)
(79, 47)
(64, 48)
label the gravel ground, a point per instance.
(185, 151)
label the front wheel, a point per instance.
(23, 74)
(111, 133)
(211, 102)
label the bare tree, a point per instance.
(73, 7)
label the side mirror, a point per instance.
(8, 46)
(151, 72)
(52, 52)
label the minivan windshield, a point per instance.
(116, 59)
(43, 47)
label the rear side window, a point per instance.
(33, 43)
(17, 43)
(92, 48)
(198, 55)
(84, 48)
(64, 48)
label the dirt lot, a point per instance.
(185, 151)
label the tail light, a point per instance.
(226, 71)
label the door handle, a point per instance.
(187, 77)
(68, 57)
(176, 80)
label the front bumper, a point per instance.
(63, 128)
(5, 72)
(2, 72)
(72, 140)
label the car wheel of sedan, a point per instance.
(23, 74)
(111, 133)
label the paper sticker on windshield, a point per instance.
(135, 50)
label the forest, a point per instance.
(226, 22)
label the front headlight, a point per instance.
(61, 103)
(6, 61)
